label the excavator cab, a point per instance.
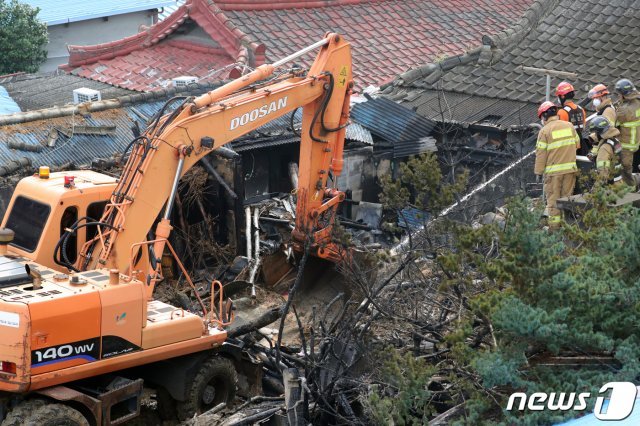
(43, 206)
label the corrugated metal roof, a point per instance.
(282, 126)
(412, 218)
(54, 12)
(391, 121)
(168, 10)
(7, 105)
(80, 149)
(250, 144)
(403, 149)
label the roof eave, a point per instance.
(110, 13)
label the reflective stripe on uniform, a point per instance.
(541, 145)
(633, 141)
(631, 124)
(555, 219)
(561, 143)
(603, 164)
(561, 167)
(562, 133)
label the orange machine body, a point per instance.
(40, 209)
(68, 331)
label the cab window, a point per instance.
(27, 219)
(94, 211)
(69, 217)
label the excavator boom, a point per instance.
(176, 141)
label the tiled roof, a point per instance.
(388, 36)
(595, 40)
(196, 40)
(37, 91)
(55, 12)
(141, 70)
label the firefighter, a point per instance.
(608, 150)
(599, 96)
(569, 111)
(556, 159)
(628, 115)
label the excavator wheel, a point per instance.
(214, 383)
(38, 412)
(166, 405)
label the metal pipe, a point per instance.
(299, 53)
(247, 223)
(554, 73)
(548, 90)
(174, 188)
(254, 270)
(293, 175)
(256, 232)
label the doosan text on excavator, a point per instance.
(80, 332)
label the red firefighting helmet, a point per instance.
(564, 88)
(597, 91)
(544, 107)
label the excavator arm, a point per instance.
(176, 141)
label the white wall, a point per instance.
(89, 32)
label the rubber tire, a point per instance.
(166, 405)
(38, 412)
(20, 413)
(220, 370)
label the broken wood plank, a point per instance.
(208, 417)
(263, 320)
(580, 202)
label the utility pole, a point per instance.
(548, 73)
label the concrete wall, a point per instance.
(92, 31)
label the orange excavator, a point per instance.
(80, 332)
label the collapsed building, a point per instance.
(492, 91)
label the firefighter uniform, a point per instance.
(556, 160)
(628, 121)
(607, 164)
(608, 111)
(574, 114)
